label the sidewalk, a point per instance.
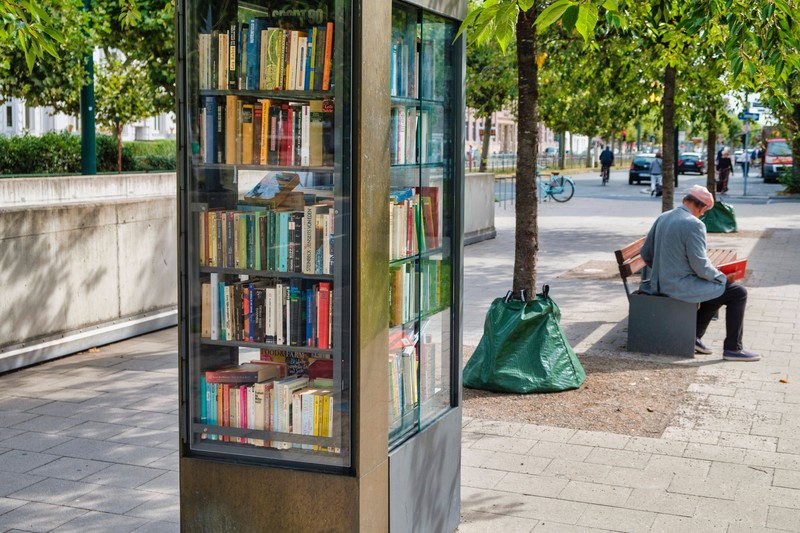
(89, 443)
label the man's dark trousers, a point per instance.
(734, 299)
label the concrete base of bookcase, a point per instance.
(226, 497)
(425, 479)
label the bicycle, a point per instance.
(559, 188)
(604, 173)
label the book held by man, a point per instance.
(737, 268)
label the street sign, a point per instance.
(748, 116)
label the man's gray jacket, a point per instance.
(675, 249)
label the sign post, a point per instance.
(746, 117)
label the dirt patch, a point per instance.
(623, 395)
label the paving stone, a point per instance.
(616, 519)
(582, 491)
(714, 453)
(479, 522)
(7, 504)
(693, 485)
(738, 513)
(97, 522)
(532, 507)
(626, 458)
(545, 433)
(665, 523)
(39, 517)
(46, 424)
(33, 441)
(70, 468)
(577, 470)
(162, 507)
(23, 461)
(126, 476)
(504, 444)
(491, 427)
(509, 462)
(159, 527)
(637, 478)
(656, 446)
(750, 442)
(482, 478)
(601, 439)
(95, 430)
(787, 478)
(692, 435)
(660, 501)
(783, 518)
(557, 449)
(532, 485)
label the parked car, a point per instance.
(640, 168)
(691, 162)
(777, 157)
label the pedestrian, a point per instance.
(675, 251)
(724, 171)
(470, 156)
(656, 169)
(606, 160)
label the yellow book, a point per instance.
(231, 129)
(247, 134)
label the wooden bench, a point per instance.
(656, 323)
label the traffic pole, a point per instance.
(88, 148)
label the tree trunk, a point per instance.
(561, 149)
(668, 141)
(526, 238)
(119, 148)
(794, 136)
(487, 134)
(711, 154)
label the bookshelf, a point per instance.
(421, 220)
(266, 234)
(320, 223)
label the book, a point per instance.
(247, 134)
(327, 59)
(245, 373)
(737, 268)
(231, 129)
(255, 30)
(272, 189)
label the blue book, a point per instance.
(222, 321)
(310, 306)
(211, 130)
(256, 26)
(204, 397)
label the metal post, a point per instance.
(746, 166)
(675, 153)
(88, 148)
(638, 136)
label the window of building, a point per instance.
(9, 117)
(157, 125)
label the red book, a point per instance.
(737, 268)
(323, 322)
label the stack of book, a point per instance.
(258, 57)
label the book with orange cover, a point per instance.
(737, 268)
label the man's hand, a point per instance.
(729, 277)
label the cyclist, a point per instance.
(606, 160)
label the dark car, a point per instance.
(640, 168)
(691, 162)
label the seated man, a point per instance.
(675, 250)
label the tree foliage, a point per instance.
(491, 84)
(25, 25)
(143, 30)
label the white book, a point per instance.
(305, 139)
(292, 64)
(302, 57)
(269, 315)
(280, 298)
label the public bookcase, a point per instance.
(320, 197)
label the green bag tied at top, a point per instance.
(523, 349)
(720, 218)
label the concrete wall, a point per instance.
(478, 208)
(84, 261)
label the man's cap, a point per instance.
(701, 193)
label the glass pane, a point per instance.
(421, 220)
(269, 230)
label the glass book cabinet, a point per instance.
(320, 222)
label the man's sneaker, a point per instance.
(699, 347)
(741, 355)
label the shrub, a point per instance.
(161, 147)
(107, 155)
(155, 163)
(52, 153)
(790, 180)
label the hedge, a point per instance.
(59, 153)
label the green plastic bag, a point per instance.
(523, 349)
(720, 218)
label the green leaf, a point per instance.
(570, 18)
(611, 5)
(551, 13)
(587, 21)
(525, 5)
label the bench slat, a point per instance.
(629, 268)
(629, 251)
